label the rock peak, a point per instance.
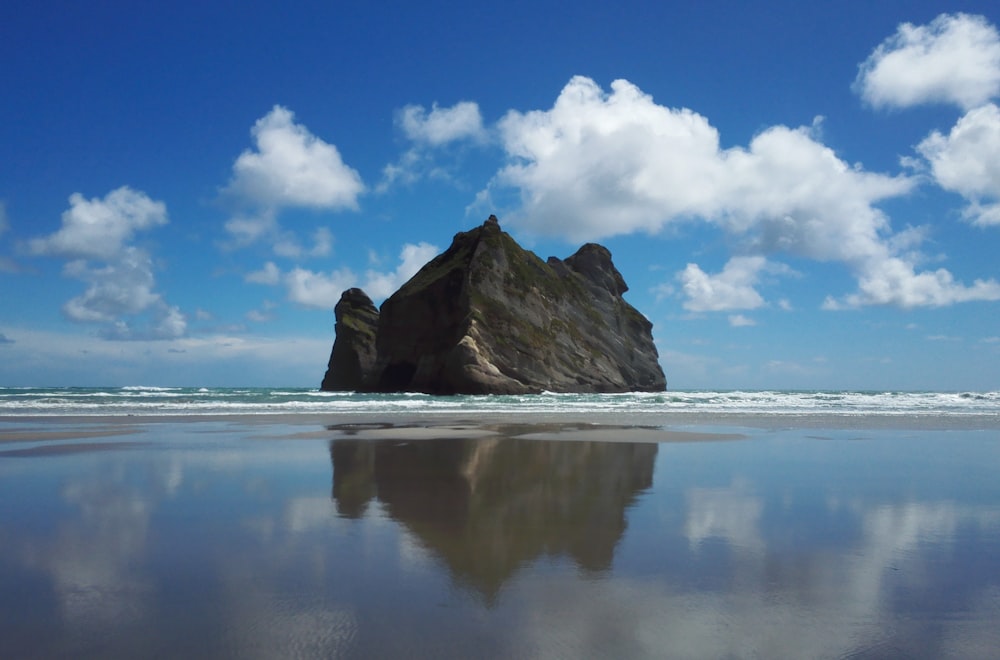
(353, 356)
(489, 317)
(594, 263)
(355, 296)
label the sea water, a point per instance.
(141, 400)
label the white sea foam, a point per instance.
(142, 400)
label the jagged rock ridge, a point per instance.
(489, 317)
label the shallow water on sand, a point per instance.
(219, 538)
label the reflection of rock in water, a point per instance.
(489, 506)
(353, 476)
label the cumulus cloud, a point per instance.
(965, 161)
(602, 164)
(95, 239)
(120, 291)
(288, 167)
(953, 59)
(322, 290)
(598, 165)
(461, 121)
(731, 289)
(122, 287)
(99, 228)
(291, 167)
(894, 281)
(429, 132)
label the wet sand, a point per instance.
(546, 536)
(400, 428)
(645, 427)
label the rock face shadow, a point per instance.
(488, 506)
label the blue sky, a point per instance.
(799, 195)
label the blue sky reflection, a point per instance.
(217, 540)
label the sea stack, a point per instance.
(489, 317)
(352, 359)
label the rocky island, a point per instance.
(489, 317)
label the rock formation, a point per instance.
(488, 317)
(352, 359)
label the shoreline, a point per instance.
(574, 425)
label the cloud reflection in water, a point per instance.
(241, 544)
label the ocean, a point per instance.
(978, 407)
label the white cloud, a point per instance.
(288, 168)
(599, 165)
(416, 164)
(291, 167)
(94, 237)
(170, 323)
(894, 281)
(270, 274)
(124, 286)
(440, 126)
(289, 246)
(741, 321)
(122, 289)
(429, 132)
(953, 59)
(733, 288)
(790, 193)
(322, 290)
(983, 215)
(407, 171)
(965, 161)
(411, 259)
(245, 229)
(99, 228)
(603, 164)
